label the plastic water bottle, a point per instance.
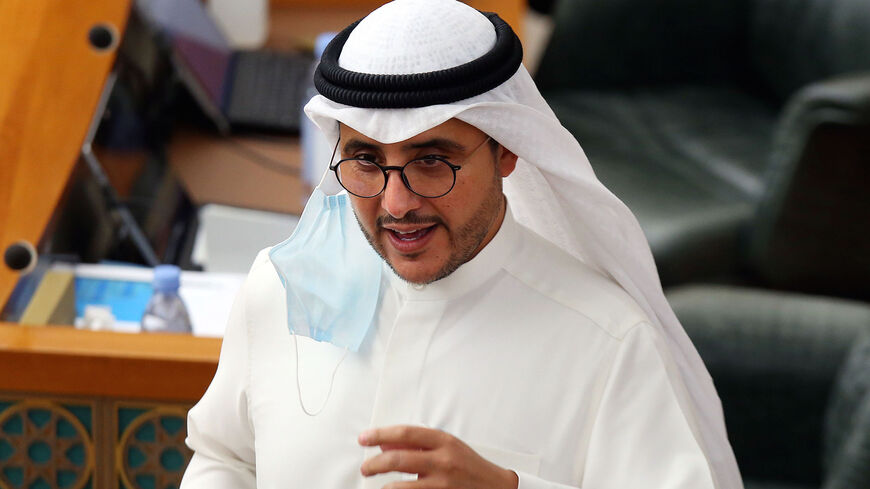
(165, 312)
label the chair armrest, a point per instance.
(842, 101)
(774, 358)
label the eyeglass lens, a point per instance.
(426, 177)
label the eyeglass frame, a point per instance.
(401, 170)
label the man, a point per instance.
(481, 331)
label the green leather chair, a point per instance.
(793, 374)
(811, 232)
(691, 112)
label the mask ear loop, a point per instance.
(331, 158)
(295, 341)
(299, 387)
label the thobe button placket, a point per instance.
(418, 286)
(397, 396)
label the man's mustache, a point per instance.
(411, 218)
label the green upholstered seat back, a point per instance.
(769, 46)
(607, 43)
(795, 42)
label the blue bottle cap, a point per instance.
(166, 278)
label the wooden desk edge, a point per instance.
(59, 360)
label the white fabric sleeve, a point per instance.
(218, 427)
(642, 437)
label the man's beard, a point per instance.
(464, 243)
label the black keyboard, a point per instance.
(267, 90)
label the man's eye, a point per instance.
(366, 157)
(365, 166)
(431, 160)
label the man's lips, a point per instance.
(409, 239)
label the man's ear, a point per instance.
(507, 162)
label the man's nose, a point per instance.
(398, 199)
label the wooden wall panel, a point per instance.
(118, 400)
(306, 18)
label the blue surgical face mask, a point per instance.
(331, 275)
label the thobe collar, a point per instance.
(470, 275)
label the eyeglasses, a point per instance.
(429, 176)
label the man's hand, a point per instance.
(439, 459)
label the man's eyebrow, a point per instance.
(357, 144)
(437, 143)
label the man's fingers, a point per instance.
(417, 484)
(406, 461)
(397, 446)
(405, 435)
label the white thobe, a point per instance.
(539, 363)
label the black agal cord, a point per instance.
(377, 91)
